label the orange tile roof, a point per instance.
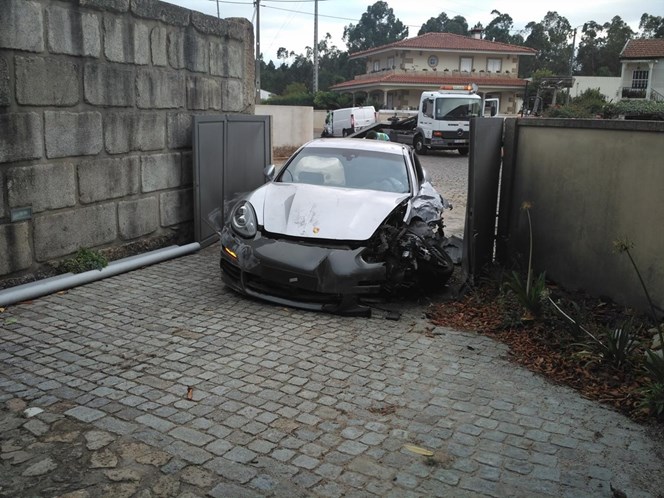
(430, 80)
(649, 48)
(449, 41)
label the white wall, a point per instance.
(609, 86)
(291, 125)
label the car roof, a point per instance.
(358, 144)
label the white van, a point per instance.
(339, 123)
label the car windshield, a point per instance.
(457, 108)
(349, 168)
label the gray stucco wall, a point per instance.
(591, 182)
(96, 106)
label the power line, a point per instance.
(323, 15)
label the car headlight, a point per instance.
(243, 220)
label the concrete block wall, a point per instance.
(96, 106)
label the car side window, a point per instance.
(427, 108)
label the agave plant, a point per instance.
(619, 345)
(532, 293)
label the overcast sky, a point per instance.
(290, 23)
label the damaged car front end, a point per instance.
(345, 219)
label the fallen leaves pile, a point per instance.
(546, 346)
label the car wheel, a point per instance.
(419, 146)
(344, 134)
(463, 151)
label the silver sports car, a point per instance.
(342, 220)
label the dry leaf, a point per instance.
(417, 450)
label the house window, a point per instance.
(494, 65)
(465, 63)
(390, 62)
(640, 79)
(376, 66)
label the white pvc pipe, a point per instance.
(69, 280)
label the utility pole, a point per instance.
(217, 9)
(315, 86)
(571, 62)
(258, 51)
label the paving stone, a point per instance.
(231, 470)
(305, 462)
(228, 490)
(40, 468)
(219, 447)
(85, 414)
(123, 475)
(103, 459)
(352, 447)
(197, 477)
(191, 436)
(191, 454)
(166, 486)
(240, 455)
(37, 427)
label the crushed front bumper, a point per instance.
(297, 274)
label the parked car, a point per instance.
(344, 219)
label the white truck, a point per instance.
(344, 122)
(443, 119)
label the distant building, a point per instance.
(643, 69)
(398, 73)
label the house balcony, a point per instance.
(633, 93)
(641, 93)
(434, 72)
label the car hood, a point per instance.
(323, 212)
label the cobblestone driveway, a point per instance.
(448, 172)
(284, 403)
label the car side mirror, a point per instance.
(426, 175)
(494, 111)
(269, 172)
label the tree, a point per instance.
(600, 47)
(591, 44)
(550, 38)
(443, 24)
(651, 26)
(618, 33)
(499, 29)
(377, 26)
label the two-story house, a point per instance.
(398, 73)
(643, 69)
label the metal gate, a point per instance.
(230, 152)
(486, 135)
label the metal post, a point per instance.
(571, 62)
(315, 85)
(217, 9)
(258, 51)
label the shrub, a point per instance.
(85, 260)
(573, 111)
(644, 109)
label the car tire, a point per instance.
(418, 145)
(344, 134)
(463, 151)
